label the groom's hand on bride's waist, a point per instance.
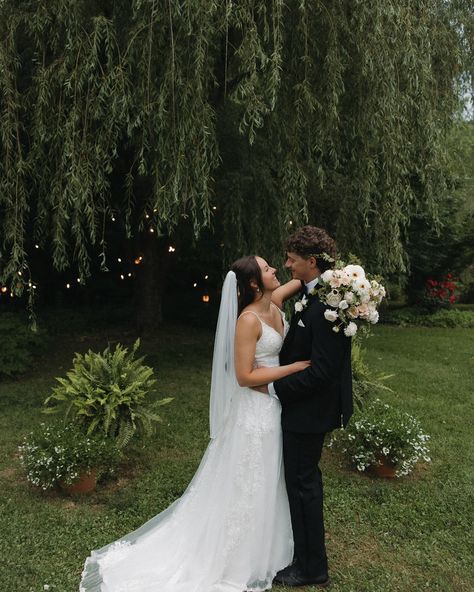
(262, 388)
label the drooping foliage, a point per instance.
(246, 116)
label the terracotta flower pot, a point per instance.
(384, 469)
(85, 483)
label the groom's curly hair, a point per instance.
(311, 241)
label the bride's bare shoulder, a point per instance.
(248, 324)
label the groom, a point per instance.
(314, 402)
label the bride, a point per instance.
(230, 531)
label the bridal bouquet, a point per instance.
(352, 297)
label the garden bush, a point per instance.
(19, 344)
(454, 317)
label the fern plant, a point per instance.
(108, 393)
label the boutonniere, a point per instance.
(301, 304)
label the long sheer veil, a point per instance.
(224, 382)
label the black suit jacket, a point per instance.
(319, 398)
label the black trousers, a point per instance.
(301, 454)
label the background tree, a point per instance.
(142, 117)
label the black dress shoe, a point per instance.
(295, 577)
(289, 569)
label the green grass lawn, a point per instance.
(410, 535)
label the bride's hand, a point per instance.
(300, 365)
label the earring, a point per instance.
(257, 290)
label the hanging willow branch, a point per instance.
(273, 111)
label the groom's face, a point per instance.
(301, 268)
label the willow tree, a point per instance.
(246, 116)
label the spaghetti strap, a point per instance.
(252, 312)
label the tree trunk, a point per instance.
(150, 283)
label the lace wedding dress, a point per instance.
(230, 531)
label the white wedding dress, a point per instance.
(230, 531)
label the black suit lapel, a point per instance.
(287, 343)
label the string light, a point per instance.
(152, 230)
(214, 208)
(68, 286)
(4, 289)
(290, 222)
(129, 275)
(113, 219)
(206, 277)
(195, 285)
(171, 249)
(205, 297)
(37, 247)
(119, 260)
(138, 260)
(122, 277)
(147, 216)
(78, 280)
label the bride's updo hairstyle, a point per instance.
(247, 270)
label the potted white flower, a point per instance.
(63, 456)
(383, 439)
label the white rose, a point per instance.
(355, 272)
(298, 306)
(350, 330)
(343, 305)
(349, 297)
(330, 315)
(327, 275)
(333, 298)
(373, 317)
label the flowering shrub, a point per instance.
(442, 293)
(380, 433)
(56, 453)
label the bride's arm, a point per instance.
(285, 291)
(246, 334)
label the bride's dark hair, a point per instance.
(247, 270)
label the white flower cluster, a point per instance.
(382, 432)
(351, 295)
(59, 453)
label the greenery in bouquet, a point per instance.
(351, 295)
(61, 452)
(381, 434)
(109, 394)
